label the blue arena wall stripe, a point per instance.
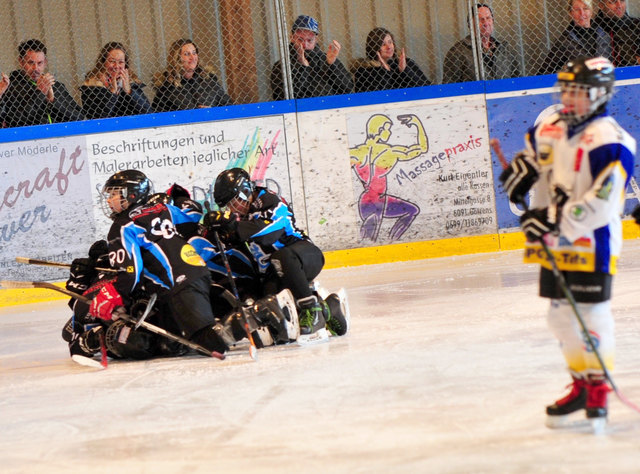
(389, 96)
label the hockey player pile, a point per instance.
(199, 278)
(576, 166)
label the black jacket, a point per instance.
(316, 80)
(574, 42)
(625, 37)
(99, 102)
(372, 77)
(201, 90)
(24, 104)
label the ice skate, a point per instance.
(558, 413)
(596, 404)
(334, 313)
(312, 323)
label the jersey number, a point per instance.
(163, 227)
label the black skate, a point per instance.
(335, 315)
(312, 322)
(574, 401)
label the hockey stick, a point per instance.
(47, 263)
(562, 283)
(121, 314)
(147, 310)
(253, 350)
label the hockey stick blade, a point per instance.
(47, 263)
(87, 362)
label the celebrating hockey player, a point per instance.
(577, 162)
(283, 252)
(143, 243)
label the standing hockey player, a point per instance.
(146, 249)
(577, 162)
(283, 252)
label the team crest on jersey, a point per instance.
(545, 155)
(190, 256)
(578, 212)
(587, 138)
(605, 190)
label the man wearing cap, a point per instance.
(314, 73)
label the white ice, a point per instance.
(447, 369)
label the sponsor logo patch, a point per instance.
(190, 256)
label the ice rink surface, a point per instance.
(447, 368)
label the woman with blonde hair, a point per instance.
(185, 84)
(111, 88)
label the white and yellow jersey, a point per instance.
(592, 164)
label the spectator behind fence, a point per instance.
(384, 69)
(623, 30)
(313, 72)
(580, 38)
(186, 84)
(499, 60)
(34, 96)
(111, 88)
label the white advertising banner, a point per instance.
(192, 155)
(422, 172)
(46, 207)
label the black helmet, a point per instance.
(594, 75)
(232, 183)
(131, 186)
(159, 198)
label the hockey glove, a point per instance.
(81, 274)
(636, 214)
(105, 302)
(98, 250)
(535, 224)
(518, 178)
(221, 221)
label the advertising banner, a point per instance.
(422, 172)
(46, 209)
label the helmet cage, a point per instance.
(598, 97)
(122, 191)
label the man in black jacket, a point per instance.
(313, 72)
(34, 96)
(623, 29)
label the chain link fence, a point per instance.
(97, 59)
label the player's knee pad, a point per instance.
(598, 320)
